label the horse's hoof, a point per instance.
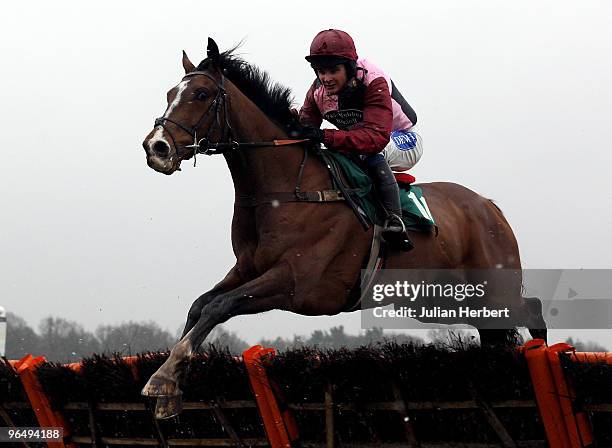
(539, 333)
(168, 406)
(160, 388)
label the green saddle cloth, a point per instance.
(415, 212)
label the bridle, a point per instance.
(227, 142)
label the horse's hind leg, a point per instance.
(531, 317)
(499, 337)
(535, 319)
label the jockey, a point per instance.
(371, 115)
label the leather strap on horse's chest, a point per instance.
(286, 196)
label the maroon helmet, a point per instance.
(332, 44)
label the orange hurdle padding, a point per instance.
(576, 422)
(593, 357)
(280, 426)
(129, 360)
(546, 394)
(47, 418)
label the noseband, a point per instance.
(204, 145)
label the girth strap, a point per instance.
(286, 196)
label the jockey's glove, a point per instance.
(313, 134)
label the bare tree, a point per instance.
(65, 341)
(130, 338)
(21, 339)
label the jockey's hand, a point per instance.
(313, 134)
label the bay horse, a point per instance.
(302, 257)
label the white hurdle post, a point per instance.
(2, 332)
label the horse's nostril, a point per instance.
(161, 148)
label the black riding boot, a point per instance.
(394, 231)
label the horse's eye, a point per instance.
(201, 96)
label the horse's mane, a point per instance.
(274, 99)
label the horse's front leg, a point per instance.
(267, 292)
(231, 281)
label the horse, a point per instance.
(292, 255)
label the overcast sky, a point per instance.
(513, 100)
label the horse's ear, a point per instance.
(187, 64)
(212, 51)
